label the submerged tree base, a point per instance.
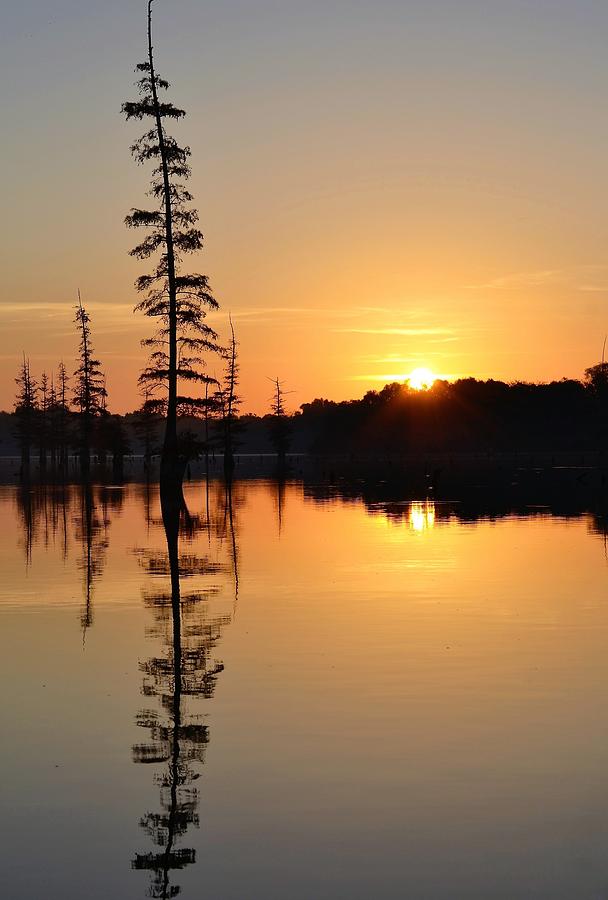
(172, 472)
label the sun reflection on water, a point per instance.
(421, 516)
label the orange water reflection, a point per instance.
(403, 700)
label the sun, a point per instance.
(421, 379)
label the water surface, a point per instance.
(299, 696)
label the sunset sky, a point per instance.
(382, 185)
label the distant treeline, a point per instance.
(461, 416)
(466, 415)
(54, 433)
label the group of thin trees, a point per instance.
(63, 421)
(59, 416)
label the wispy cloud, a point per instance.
(402, 332)
(593, 288)
(384, 378)
(267, 313)
(108, 318)
(257, 312)
(593, 279)
(388, 377)
(29, 306)
(515, 280)
(584, 278)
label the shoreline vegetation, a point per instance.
(484, 423)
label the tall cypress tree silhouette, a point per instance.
(180, 301)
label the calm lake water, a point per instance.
(330, 701)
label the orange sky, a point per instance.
(381, 186)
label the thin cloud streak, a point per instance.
(519, 279)
(402, 332)
(261, 313)
(400, 377)
(37, 306)
(579, 278)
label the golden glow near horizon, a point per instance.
(421, 379)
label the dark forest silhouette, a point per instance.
(466, 415)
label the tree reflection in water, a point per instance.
(185, 671)
(52, 514)
(91, 529)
